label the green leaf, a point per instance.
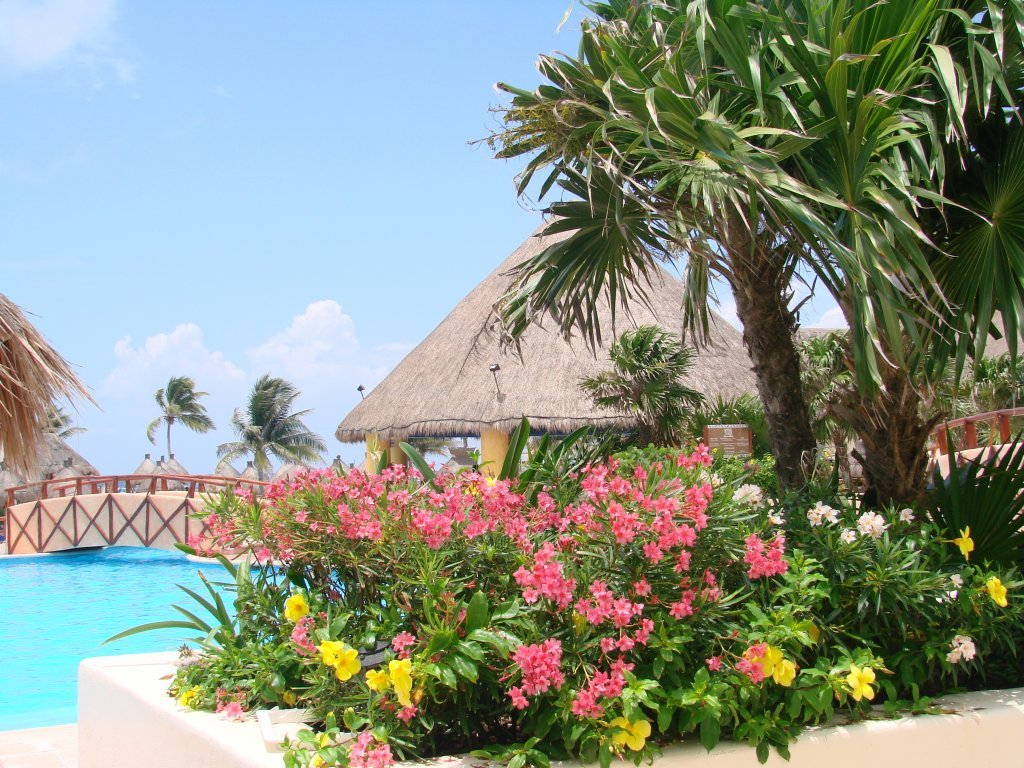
(463, 667)
(516, 445)
(419, 462)
(476, 613)
(710, 732)
(442, 641)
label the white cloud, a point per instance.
(36, 35)
(181, 352)
(727, 311)
(832, 318)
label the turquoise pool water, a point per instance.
(56, 610)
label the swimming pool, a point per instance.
(56, 610)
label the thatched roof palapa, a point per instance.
(445, 386)
(32, 377)
(146, 467)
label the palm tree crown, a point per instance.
(179, 401)
(61, 424)
(267, 426)
(645, 382)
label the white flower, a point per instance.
(962, 649)
(749, 494)
(775, 518)
(956, 580)
(848, 536)
(822, 513)
(907, 515)
(871, 524)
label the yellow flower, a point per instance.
(187, 699)
(289, 698)
(400, 672)
(814, 632)
(330, 651)
(295, 607)
(632, 735)
(343, 659)
(579, 623)
(771, 658)
(860, 681)
(784, 673)
(965, 542)
(377, 680)
(996, 591)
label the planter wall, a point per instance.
(126, 720)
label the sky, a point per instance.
(223, 190)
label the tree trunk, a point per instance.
(895, 436)
(169, 422)
(760, 285)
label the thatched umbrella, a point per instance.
(226, 469)
(446, 385)
(32, 377)
(174, 466)
(146, 467)
(287, 471)
(250, 472)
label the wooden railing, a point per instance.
(998, 421)
(191, 484)
(103, 511)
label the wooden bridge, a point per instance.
(968, 444)
(127, 510)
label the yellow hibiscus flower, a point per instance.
(295, 607)
(860, 681)
(772, 657)
(400, 672)
(996, 591)
(377, 680)
(965, 542)
(631, 735)
(348, 664)
(187, 699)
(330, 651)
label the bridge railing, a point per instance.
(91, 510)
(999, 423)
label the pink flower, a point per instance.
(402, 642)
(642, 587)
(545, 579)
(367, 753)
(300, 636)
(653, 552)
(518, 700)
(714, 663)
(408, 713)
(541, 666)
(765, 560)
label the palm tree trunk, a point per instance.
(168, 438)
(895, 436)
(760, 285)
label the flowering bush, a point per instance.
(642, 600)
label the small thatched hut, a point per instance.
(146, 467)
(459, 381)
(226, 469)
(32, 377)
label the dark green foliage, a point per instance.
(987, 496)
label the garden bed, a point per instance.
(127, 719)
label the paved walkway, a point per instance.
(53, 747)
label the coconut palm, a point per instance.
(767, 142)
(825, 377)
(268, 426)
(179, 401)
(62, 424)
(645, 382)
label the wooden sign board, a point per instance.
(731, 439)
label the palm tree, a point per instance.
(61, 424)
(767, 142)
(646, 383)
(267, 427)
(179, 401)
(825, 377)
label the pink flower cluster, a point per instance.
(603, 685)
(541, 666)
(765, 559)
(545, 579)
(368, 753)
(750, 665)
(300, 636)
(402, 642)
(606, 607)
(229, 705)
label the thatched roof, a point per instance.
(226, 469)
(55, 459)
(146, 467)
(288, 471)
(32, 377)
(444, 385)
(174, 466)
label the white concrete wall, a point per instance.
(126, 720)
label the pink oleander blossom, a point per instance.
(368, 753)
(300, 636)
(402, 642)
(765, 559)
(541, 666)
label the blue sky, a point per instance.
(226, 189)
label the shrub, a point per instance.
(634, 603)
